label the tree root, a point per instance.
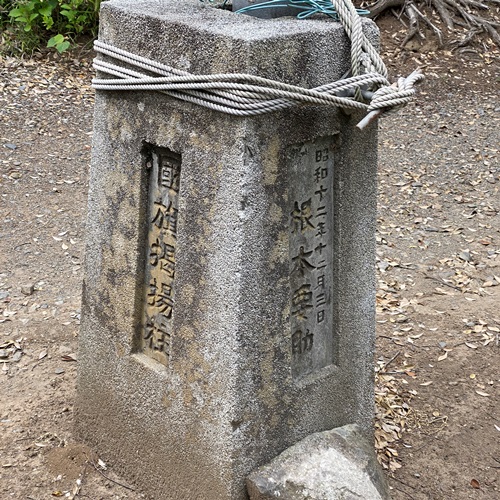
(452, 13)
(436, 30)
(444, 13)
(382, 5)
(466, 40)
(411, 13)
(492, 31)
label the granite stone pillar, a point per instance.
(229, 291)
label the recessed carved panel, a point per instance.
(311, 256)
(162, 219)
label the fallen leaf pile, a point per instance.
(438, 270)
(11, 351)
(392, 408)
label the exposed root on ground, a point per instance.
(451, 13)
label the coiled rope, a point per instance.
(250, 95)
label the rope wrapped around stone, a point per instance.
(250, 95)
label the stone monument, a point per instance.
(229, 291)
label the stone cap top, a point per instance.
(223, 22)
(192, 36)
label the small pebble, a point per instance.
(59, 371)
(28, 289)
(17, 356)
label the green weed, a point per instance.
(27, 25)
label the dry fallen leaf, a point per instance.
(443, 356)
(465, 255)
(481, 393)
(475, 484)
(416, 336)
(42, 355)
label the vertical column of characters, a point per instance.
(301, 278)
(322, 195)
(160, 263)
(311, 256)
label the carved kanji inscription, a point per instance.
(162, 215)
(311, 256)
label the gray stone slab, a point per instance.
(333, 465)
(190, 375)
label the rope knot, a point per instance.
(397, 95)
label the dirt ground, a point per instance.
(438, 323)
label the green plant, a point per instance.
(31, 24)
(59, 42)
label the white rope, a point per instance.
(249, 95)
(364, 57)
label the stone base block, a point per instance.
(334, 465)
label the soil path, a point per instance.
(438, 422)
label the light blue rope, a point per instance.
(307, 8)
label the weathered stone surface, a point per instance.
(189, 382)
(333, 465)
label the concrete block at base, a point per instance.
(333, 465)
